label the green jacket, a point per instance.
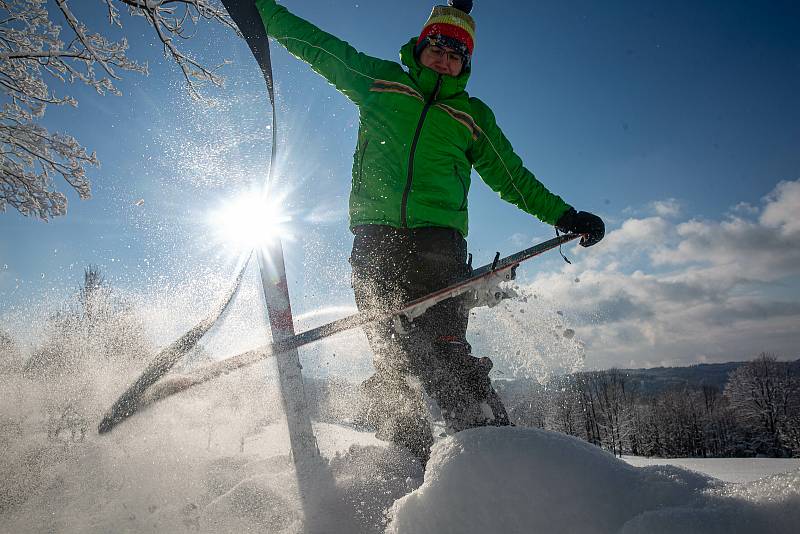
(419, 136)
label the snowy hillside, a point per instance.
(158, 475)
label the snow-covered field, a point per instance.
(158, 473)
(725, 469)
(215, 460)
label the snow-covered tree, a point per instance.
(526, 401)
(790, 431)
(90, 348)
(686, 422)
(646, 439)
(615, 395)
(589, 408)
(565, 414)
(764, 394)
(95, 329)
(45, 45)
(605, 409)
(721, 429)
(681, 423)
(607, 400)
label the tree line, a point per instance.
(757, 413)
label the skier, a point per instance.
(420, 134)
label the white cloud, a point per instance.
(745, 208)
(781, 210)
(659, 292)
(737, 248)
(667, 208)
(636, 233)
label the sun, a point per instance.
(250, 221)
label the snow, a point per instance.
(202, 463)
(180, 468)
(726, 469)
(521, 480)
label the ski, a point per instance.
(127, 402)
(247, 19)
(482, 288)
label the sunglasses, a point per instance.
(439, 52)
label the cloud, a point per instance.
(746, 208)
(666, 208)
(659, 291)
(636, 234)
(737, 248)
(781, 210)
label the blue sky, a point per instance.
(678, 123)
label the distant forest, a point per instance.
(721, 410)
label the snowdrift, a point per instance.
(522, 480)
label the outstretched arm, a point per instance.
(350, 71)
(502, 170)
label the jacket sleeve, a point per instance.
(502, 170)
(350, 71)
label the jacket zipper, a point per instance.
(428, 104)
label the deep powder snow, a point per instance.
(522, 480)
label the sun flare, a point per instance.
(250, 221)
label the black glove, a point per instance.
(582, 222)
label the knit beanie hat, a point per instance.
(450, 26)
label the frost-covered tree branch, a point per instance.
(173, 19)
(35, 57)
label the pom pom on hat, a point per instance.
(463, 5)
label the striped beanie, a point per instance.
(451, 27)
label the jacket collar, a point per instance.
(425, 78)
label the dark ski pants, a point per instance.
(390, 267)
